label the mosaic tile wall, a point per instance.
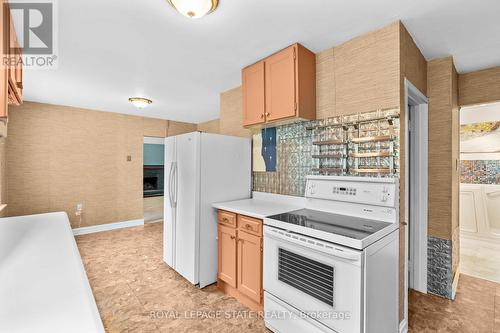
(439, 267)
(329, 146)
(480, 172)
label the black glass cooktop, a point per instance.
(343, 225)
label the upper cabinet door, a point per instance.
(280, 85)
(253, 94)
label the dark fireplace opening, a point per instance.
(153, 180)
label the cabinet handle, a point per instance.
(224, 219)
(233, 237)
(268, 114)
(262, 116)
(248, 226)
(240, 240)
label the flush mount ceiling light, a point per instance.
(140, 102)
(194, 8)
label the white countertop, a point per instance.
(43, 285)
(257, 208)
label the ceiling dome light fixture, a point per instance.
(140, 102)
(194, 8)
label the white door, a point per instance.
(187, 196)
(168, 203)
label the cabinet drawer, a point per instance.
(227, 218)
(250, 225)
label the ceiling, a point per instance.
(115, 49)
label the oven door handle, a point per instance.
(333, 251)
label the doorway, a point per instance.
(416, 180)
(480, 191)
(153, 178)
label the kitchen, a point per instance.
(321, 185)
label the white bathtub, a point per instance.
(43, 285)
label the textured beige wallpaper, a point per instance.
(59, 156)
(231, 113)
(212, 126)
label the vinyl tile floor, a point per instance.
(480, 259)
(136, 291)
(476, 309)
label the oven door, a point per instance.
(321, 279)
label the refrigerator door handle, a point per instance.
(175, 186)
(170, 194)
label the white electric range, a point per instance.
(333, 266)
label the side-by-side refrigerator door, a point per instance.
(187, 198)
(169, 206)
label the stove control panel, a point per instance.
(362, 190)
(344, 190)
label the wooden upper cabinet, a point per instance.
(11, 71)
(285, 81)
(253, 94)
(250, 266)
(280, 85)
(15, 70)
(227, 254)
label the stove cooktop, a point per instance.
(343, 225)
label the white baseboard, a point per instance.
(403, 326)
(107, 226)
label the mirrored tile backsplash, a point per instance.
(365, 144)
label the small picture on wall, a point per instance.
(480, 137)
(264, 150)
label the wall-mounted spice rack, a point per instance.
(329, 170)
(358, 144)
(372, 154)
(373, 170)
(372, 139)
(329, 142)
(335, 155)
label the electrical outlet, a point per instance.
(79, 206)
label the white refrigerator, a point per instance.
(200, 169)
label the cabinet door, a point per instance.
(280, 85)
(250, 265)
(253, 89)
(227, 255)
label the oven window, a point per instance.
(307, 275)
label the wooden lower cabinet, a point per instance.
(240, 259)
(250, 266)
(227, 255)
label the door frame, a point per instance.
(419, 184)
